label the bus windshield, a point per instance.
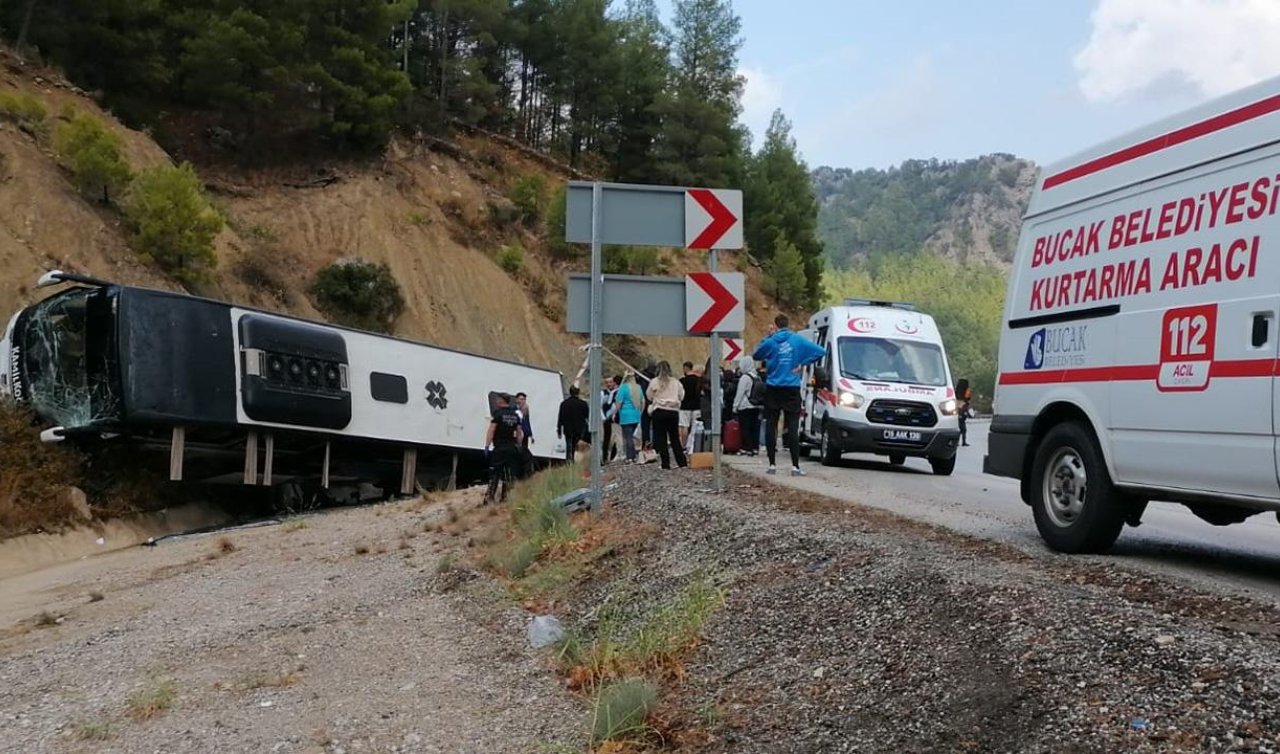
(888, 360)
(64, 344)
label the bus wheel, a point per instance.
(1076, 508)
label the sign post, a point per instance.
(635, 215)
(595, 354)
(714, 361)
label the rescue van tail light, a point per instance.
(949, 407)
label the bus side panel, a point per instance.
(177, 359)
(414, 393)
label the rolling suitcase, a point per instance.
(732, 436)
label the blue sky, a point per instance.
(869, 84)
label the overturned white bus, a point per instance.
(233, 394)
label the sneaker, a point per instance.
(771, 470)
(797, 471)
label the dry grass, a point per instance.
(295, 525)
(362, 549)
(33, 475)
(259, 680)
(226, 546)
(654, 644)
(47, 619)
(152, 700)
(93, 730)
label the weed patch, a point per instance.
(654, 643)
(537, 523)
(621, 709)
(152, 700)
(95, 730)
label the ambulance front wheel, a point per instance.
(943, 466)
(1076, 507)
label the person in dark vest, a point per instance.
(503, 443)
(964, 394)
(571, 424)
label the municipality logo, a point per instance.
(1035, 351)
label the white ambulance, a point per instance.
(884, 386)
(1138, 356)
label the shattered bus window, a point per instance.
(68, 376)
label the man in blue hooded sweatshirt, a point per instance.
(785, 354)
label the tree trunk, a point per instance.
(26, 25)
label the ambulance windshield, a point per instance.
(887, 360)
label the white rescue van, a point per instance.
(1138, 356)
(884, 386)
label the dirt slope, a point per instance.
(425, 208)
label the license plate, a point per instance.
(901, 435)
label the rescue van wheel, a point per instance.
(943, 466)
(1076, 508)
(897, 459)
(829, 454)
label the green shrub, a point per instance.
(511, 259)
(529, 194)
(172, 222)
(22, 109)
(556, 227)
(633, 260)
(622, 708)
(92, 153)
(359, 294)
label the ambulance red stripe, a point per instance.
(1137, 372)
(1164, 141)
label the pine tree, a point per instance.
(786, 274)
(780, 205)
(646, 69)
(702, 143)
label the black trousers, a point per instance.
(782, 402)
(608, 451)
(749, 423)
(964, 427)
(504, 465)
(666, 433)
(571, 441)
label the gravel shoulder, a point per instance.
(323, 636)
(850, 629)
(844, 629)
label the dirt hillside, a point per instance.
(429, 209)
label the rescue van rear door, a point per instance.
(1193, 394)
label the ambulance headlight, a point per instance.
(948, 407)
(851, 400)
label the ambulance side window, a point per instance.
(826, 361)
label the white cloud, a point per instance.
(1215, 46)
(761, 95)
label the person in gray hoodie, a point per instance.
(748, 413)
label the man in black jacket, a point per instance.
(572, 422)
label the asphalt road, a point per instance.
(1243, 559)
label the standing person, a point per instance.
(526, 430)
(747, 401)
(964, 394)
(571, 424)
(608, 451)
(627, 407)
(503, 444)
(646, 418)
(689, 404)
(665, 396)
(785, 354)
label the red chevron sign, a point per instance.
(713, 219)
(713, 301)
